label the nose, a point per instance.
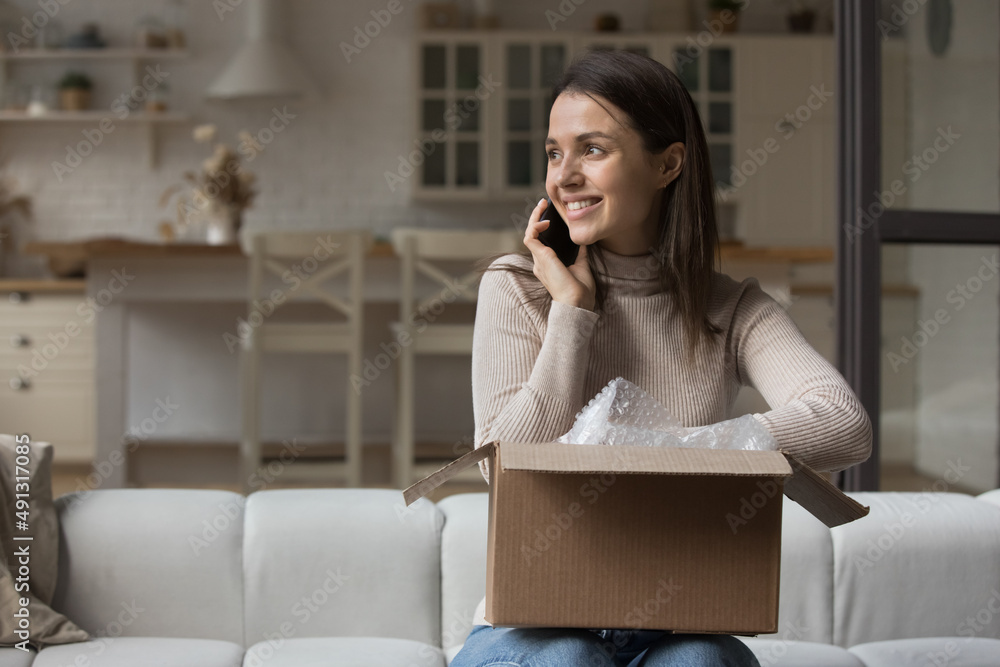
(567, 173)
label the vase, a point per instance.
(222, 226)
(74, 99)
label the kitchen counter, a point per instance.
(117, 247)
(76, 286)
(165, 311)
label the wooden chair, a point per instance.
(318, 256)
(418, 250)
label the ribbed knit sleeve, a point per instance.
(815, 415)
(527, 374)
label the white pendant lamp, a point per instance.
(263, 66)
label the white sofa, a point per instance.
(353, 577)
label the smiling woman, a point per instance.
(628, 170)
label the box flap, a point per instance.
(819, 497)
(561, 457)
(442, 475)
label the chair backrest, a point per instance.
(419, 249)
(303, 262)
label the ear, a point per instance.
(671, 162)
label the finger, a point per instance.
(581, 258)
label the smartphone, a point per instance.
(556, 235)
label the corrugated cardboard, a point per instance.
(594, 536)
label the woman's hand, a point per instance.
(574, 284)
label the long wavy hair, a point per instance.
(658, 106)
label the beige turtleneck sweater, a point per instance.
(536, 364)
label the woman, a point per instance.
(628, 170)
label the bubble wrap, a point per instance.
(624, 414)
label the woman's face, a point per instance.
(601, 179)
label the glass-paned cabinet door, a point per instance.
(645, 45)
(709, 75)
(530, 66)
(448, 159)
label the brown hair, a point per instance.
(660, 109)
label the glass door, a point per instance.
(918, 315)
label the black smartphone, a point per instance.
(556, 235)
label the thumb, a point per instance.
(581, 257)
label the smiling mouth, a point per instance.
(583, 203)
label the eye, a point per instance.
(552, 155)
(593, 147)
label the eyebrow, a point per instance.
(580, 138)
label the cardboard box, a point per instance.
(596, 536)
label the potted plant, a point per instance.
(725, 13)
(74, 91)
(801, 15)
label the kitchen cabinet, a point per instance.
(47, 368)
(767, 103)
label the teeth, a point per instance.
(576, 205)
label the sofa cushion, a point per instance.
(26, 495)
(805, 593)
(12, 657)
(342, 563)
(150, 651)
(781, 653)
(463, 563)
(343, 652)
(950, 651)
(152, 562)
(932, 555)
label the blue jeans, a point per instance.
(572, 647)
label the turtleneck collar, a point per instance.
(630, 275)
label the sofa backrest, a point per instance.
(152, 562)
(919, 565)
(463, 563)
(341, 563)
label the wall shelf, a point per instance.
(96, 54)
(137, 58)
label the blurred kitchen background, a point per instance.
(337, 122)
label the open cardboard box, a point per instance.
(613, 536)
